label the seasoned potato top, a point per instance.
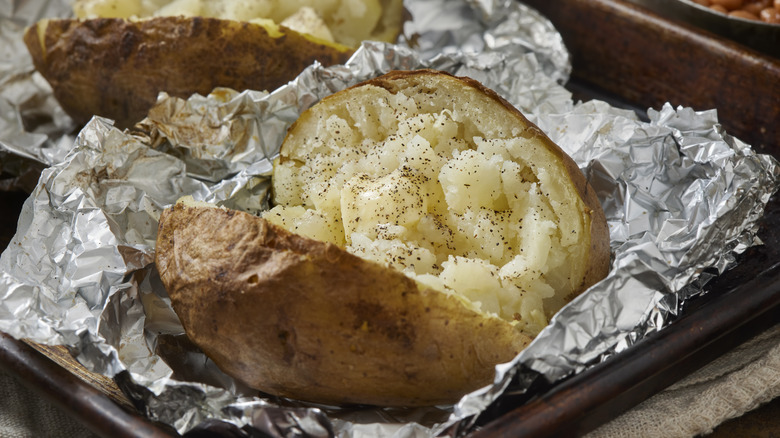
(445, 185)
(347, 22)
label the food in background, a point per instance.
(117, 56)
(767, 11)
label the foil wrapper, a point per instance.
(34, 130)
(681, 196)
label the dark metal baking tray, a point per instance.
(632, 58)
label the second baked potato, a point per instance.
(117, 56)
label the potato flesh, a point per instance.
(441, 195)
(347, 22)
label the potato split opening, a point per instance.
(441, 182)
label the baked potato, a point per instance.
(423, 232)
(116, 56)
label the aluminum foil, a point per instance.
(34, 131)
(681, 196)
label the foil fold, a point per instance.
(682, 198)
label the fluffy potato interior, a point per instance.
(443, 184)
(347, 22)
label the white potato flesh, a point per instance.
(347, 22)
(450, 197)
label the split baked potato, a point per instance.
(423, 232)
(115, 57)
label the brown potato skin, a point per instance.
(115, 68)
(304, 319)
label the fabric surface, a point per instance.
(726, 388)
(24, 414)
(733, 384)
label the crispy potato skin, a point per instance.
(305, 319)
(115, 68)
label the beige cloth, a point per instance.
(23, 414)
(726, 388)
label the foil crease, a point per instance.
(681, 196)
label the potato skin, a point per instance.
(115, 68)
(304, 319)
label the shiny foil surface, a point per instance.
(681, 197)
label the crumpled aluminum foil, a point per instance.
(680, 196)
(34, 130)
